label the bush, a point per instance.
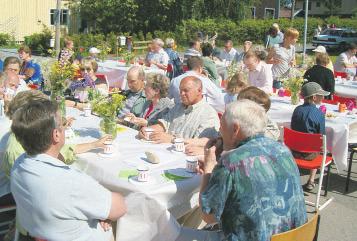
(4, 39)
(40, 42)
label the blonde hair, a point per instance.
(322, 59)
(23, 98)
(158, 82)
(67, 41)
(236, 83)
(291, 32)
(88, 61)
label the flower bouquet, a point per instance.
(293, 83)
(127, 56)
(58, 76)
(107, 108)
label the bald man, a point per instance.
(135, 95)
(192, 118)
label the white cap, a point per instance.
(320, 49)
(94, 50)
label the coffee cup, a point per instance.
(87, 111)
(148, 131)
(143, 173)
(191, 165)
(179, 144)
(108, 147)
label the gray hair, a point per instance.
(137, 70)
(159, 42)
(250, 116)
(158, 82)
(170, 42)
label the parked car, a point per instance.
(335, 38)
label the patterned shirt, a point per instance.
(285, 57)
(195, 121)
(255, 191)
(134, 103)
(309, 119)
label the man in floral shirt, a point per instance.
(253, 190)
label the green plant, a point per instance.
(40, 42)
(4, 39)
(293, 83)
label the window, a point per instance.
(309, 8)
(318, 4)
(269, 13)
(253, 12)
(64, 16)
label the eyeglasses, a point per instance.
(13, 70)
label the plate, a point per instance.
(177, 152)
(180, 172)
(134, 180)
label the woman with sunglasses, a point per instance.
(89, 69)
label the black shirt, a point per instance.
(323, 76)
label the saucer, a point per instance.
(134, 180)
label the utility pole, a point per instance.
(277, 9)
(58, 27)
(292, 9)
(305, 29)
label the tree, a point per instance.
(333, 6)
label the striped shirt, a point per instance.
(309, 119)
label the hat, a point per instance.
(320, 49)
(94, 50)
(312, 88)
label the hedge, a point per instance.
(4, 39)
(253, 30)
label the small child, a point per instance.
(309, 119)
(234, 86)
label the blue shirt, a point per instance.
(255, 191)
(1, 65)
(309, 119)
(57, 202)
(36, 78)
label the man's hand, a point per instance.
(106, 224)
(160, 137)
(210, 160)
(194, 150)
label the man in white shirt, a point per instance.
(347, 59)
(53, 200)
(260, 74)
(228, 52)
(159, 58)
(194, 50)
(211, 92)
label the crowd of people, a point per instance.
(250, 183)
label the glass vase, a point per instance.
(109, 126)
(58, 96)
(294, 98)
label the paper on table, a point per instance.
(171, 177)
(126, 174)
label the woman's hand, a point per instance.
(100, 143)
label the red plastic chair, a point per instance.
(331, 102)
(185, 68)
(169, 68)
(287, 93)
(341, 74)
(310, 143)
(103, 79)
(344, 100)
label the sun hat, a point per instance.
(94, 50)
(312, 88)
(320, 49)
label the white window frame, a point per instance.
(265, 12)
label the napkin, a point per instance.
(171, 177)
(126, 174)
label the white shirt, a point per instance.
(211, 92)
(228, 56)
(22, 86)
(261, 77)
(160, 57)
(56, 202)
(285, 56)
(343, 59)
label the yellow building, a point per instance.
(21, 18)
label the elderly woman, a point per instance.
(174, 58)
(282, 56)
(157, 103)
(89, 69)
(245, 177)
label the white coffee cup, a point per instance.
(191, 165)
(179, 144)
(148, 131)
(143, 173)
(87, 111)
(108, 147)
(339, 78)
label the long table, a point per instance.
(162, 198)
(346, 89)
(341, 129)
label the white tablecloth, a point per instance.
(178, 197)
(116, 72)
(340, 130)
(346, 89)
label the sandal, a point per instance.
(309, 186)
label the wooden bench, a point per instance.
(140, 45)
